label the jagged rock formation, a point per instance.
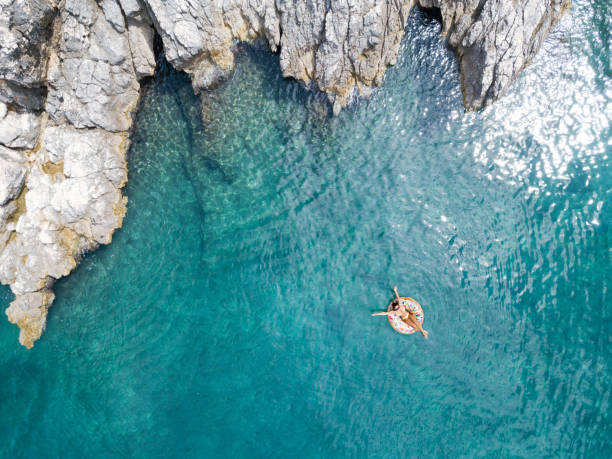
(69, 73)
(345, 46)
(69, 79)
(495, 40)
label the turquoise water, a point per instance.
(230, 317)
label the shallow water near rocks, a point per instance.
(230, 317)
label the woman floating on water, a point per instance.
(399, 308)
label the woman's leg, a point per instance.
(414, 323)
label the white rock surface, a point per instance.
(12, 178)
(25, 35)
(60, 194)
(91, 76)
(141, 35)
(18, 130)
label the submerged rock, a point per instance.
(69, 75)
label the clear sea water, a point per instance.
(230, 317)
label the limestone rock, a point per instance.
(60, 194)
(198, 36)
(91, 77)
(495, 40)
(73, 202)
(18, 130)
(12, 178)
(31, 99)
(132, 9)
(29, 312)
(141, 36)
(25, 32)
(361, 39)
(346, 46)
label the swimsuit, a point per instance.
(407, 306)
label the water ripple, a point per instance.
(230, 316)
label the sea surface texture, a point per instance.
(230, 316)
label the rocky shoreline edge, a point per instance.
(70, 73)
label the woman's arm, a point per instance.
(396, 294)
(383, 313)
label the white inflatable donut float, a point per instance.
(397, 323)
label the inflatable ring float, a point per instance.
(397, 323)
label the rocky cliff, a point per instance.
(69, 85)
